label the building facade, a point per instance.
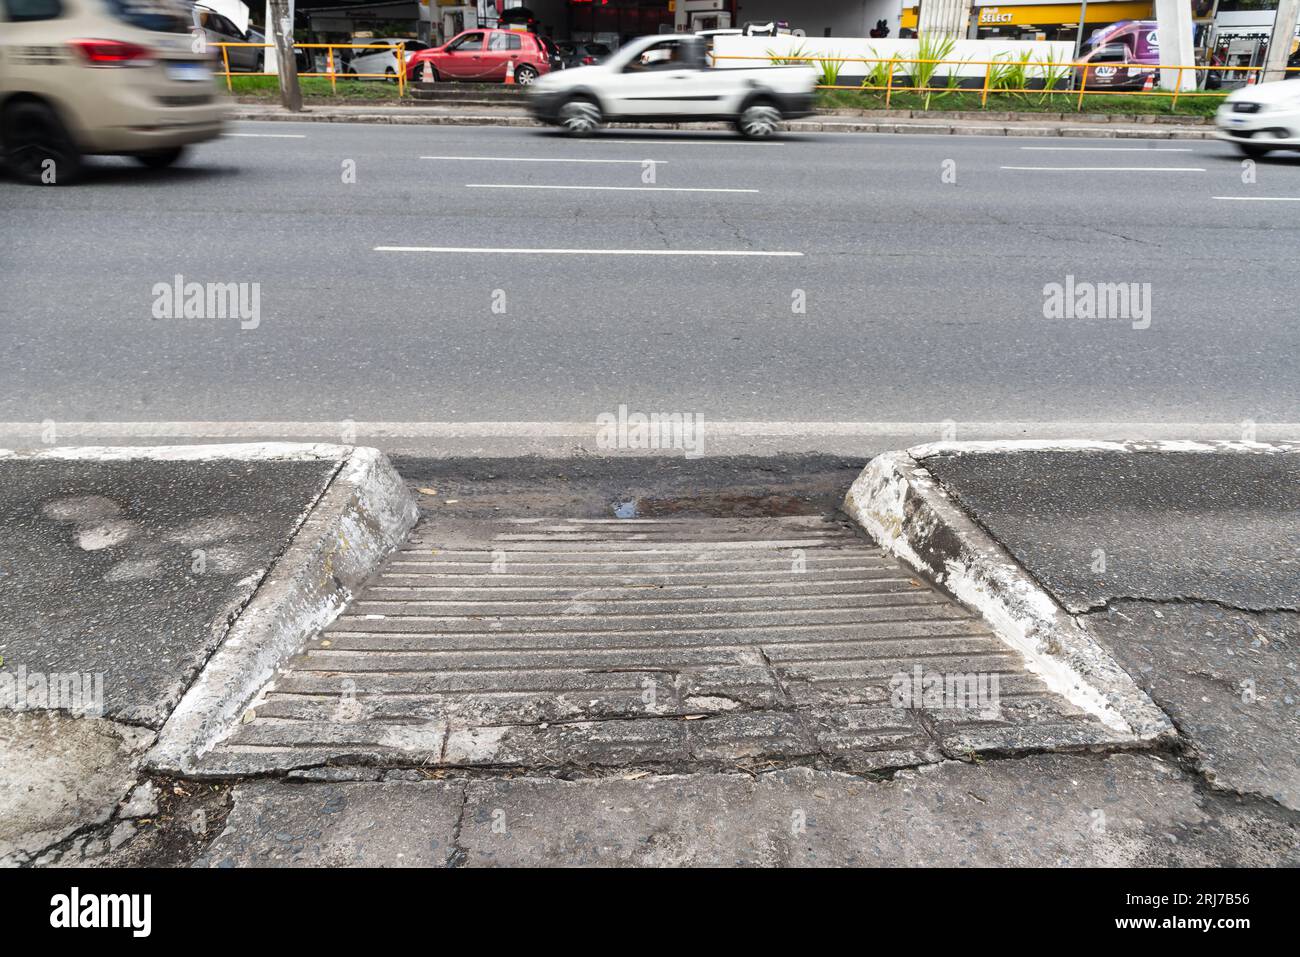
(613, 21)
(1030, 20)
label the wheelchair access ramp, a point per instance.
(666, 643)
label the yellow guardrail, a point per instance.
(1055, 71)
(329, 49)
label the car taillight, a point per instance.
(113, 53)
(588, 60)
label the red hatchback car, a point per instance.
(483, 55)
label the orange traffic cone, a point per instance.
(1250, 80)
(1149, 84)
(426, 73)
(510, 72)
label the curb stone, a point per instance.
(484, 100)
(364, 513)
(831, 125)
(910, 515)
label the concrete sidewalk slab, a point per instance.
(123, 570)
(1230, 680)
(1096, 524)
(276, 824)
(130, 564)
(1176, 560)
(60, 775)
(1045, 810)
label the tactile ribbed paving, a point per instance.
(548, 642)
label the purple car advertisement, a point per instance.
(1122, 55)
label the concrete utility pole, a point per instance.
(1175, 25)
(944, 18)
(1279, 45)
(280, 28)
(1079, 37)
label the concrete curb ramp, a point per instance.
(900, 504)
(364, 513)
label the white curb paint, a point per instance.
(559, 439)
(1108, 169)
(1207, 434)
(910, 515)
(364, 513)
(922, 452)
(240, 452)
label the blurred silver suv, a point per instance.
(122, 77)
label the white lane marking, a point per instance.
(582, 252)
(1111, 169)
(668, 141)
(619, 189)
(271, 136)
(1262, 199)
(539, 159)
(1110, 149)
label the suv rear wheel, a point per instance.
(37, 147)
(525, 75)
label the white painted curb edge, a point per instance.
(365, 512)
(910, 515)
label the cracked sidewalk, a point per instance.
(520, 733)
(1184, 564)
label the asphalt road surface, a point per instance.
(924, 299)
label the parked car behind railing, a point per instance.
(382, 61)
(483, 55)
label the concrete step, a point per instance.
(450, 92)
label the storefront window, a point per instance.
(617, 20)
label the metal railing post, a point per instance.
(329, 65)
(889, 85)
(984, 94)
(401, 70)
(225, 62)
(1083, 87)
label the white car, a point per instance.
(382, 62)
(667, 79)
(1261, 118)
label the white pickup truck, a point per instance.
(667, 79)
